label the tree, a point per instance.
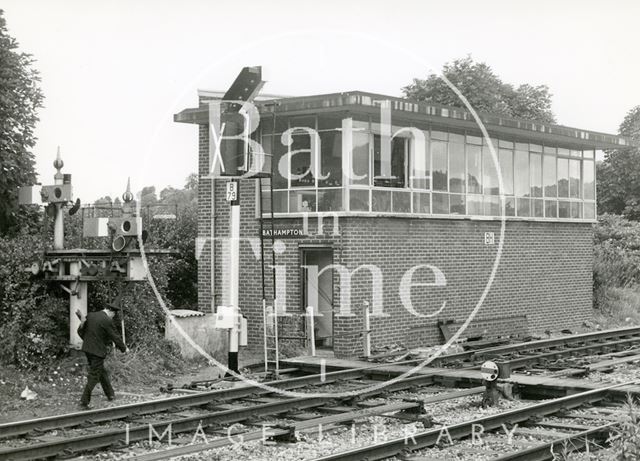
(618, 176)
(484, 90)
(20, 98)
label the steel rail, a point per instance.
(506, 366)
(16, 428)
(554, 449)
(465, 429)
(538, 344)
(119, 437)
(275, 432)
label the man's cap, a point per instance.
(113, 307)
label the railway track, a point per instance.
(543, 451)
(93, 430)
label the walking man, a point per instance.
(98, 332)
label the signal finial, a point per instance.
(58, 163)
(128, 196)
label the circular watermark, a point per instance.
(264, 41)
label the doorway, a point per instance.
(317, 291)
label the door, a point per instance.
(318, 291)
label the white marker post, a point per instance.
(233, 197)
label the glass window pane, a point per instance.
(576, 153)
(537, 208)
(474, 205)
(474, 169)
(301, 161)
(457, 204)
(589, 210)
(456, 167)
(490, 173)
(521, 173)
(330, 200)
(474, 140)
(421, 169)
(576, 210)
(279, 165)
(535, 148)
(421, 202)
(442, 135)
(564, 210)
(506, 167)
(330, 159)
(280, 201)
(549, 176)
(440, 165)
(358, 200)
(561, 151)
(524, 207)
(550, 208)
(401, 202)
(587, 154)
(536, 174)
(441, 203)
(588, 180)
(360, 160)
(563, 177)
(381, 200)
(492, 206)
(398, 162)
(509, 206)
(302, 200)
(574, 178)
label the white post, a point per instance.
(58, 228)
(367, 331)
(77, 302)
(312, 332)
(234, 274)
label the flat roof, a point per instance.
(407, 112)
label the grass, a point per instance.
(617, 307)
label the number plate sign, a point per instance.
(232, 191)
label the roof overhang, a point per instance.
(414, 113)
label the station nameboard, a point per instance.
(284, 232)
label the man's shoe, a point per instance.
(111, 398)
(85, 406)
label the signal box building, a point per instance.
(420, 239)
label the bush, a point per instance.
(626, 443)
(33, 315)
(616, 252)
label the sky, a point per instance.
(114, 72)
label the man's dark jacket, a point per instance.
(97, 332)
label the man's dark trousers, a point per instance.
(97, 374)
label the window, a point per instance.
(421, 170)
(398, 163)
(549, 176)
(360, 159)
(331, 159)
(452, 175)
(490, 172)
(301, 175)
(536, 175)
(588, 180)
(506, 168)
(563, 177)
(574, 178)
(521, 173)
(456, 167)
(474, 169)
(440, 165)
